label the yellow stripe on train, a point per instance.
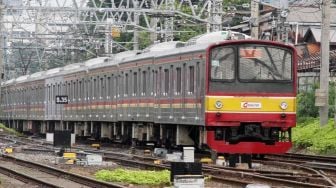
(250, 104)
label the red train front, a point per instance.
(250, 97)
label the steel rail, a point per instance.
(25, 178)
(61, 173)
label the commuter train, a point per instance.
(232, 95)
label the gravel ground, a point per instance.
(89, 171)
(7, 182)
(41, 175)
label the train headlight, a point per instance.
(218, 104)
(283, 105)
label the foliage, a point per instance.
(140, 177)
(306, 103)
(311, 136)
(9, 130)
(235, 2)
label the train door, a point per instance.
(134, 103)
(166, 94)
(102, 98)
(75, 99)
(190, 95)
(90, 98)
(120, 96)
(177, 94)
(127, 95)
(114, 93)
(157, 93)
(81, 99)
(144, 94)
(108, 97)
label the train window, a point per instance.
(264, 63)
(49, 93)
(102, 88)
(156, 86)
(80, 92)
(53, 91)
(166, 81)
(74, 90)
(178, 81)
(126, 84)
(69, 89)
(222, 64)
(135, 83)
(120, 85)
(65, 88)
(191, 79)
(144, 82)
(115, 87)
(59, 88)
(198, 77)
(108, 87)
(94, 88)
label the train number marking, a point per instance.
(61, 99)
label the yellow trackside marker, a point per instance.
(9, 150)
(206, 160)
(69, 155)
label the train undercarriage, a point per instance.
(227, 141)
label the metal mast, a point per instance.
(71, 28)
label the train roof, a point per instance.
(159, 50)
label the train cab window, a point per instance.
(191, 79)
(264, 63)
(166, 81)
(222, 64)
(135, 83)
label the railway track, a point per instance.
(26, 179)
(227, 175)
(309, 177)
(53, 177)
(318, 162)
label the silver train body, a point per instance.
(151, 96)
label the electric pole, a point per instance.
(324, 70)
(1, 43)
(254, 21)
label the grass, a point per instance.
(9, 130)
(309, 135)
(138, 177)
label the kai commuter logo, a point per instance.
(250, 105)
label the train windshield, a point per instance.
(264, 63)
(252, 63)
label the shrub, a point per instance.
(313, 137)
(140, 177)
